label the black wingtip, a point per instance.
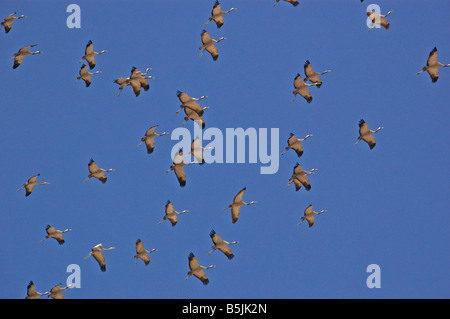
(361, 122)
(206, 281)
(212, 233)
(103, 268)
(230, 256)
(191, 255)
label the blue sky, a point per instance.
(386, 206)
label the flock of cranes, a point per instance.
(194, 111)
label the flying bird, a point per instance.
(309, 215)
(433, 65)
(300, 177)
(186, 100)
(197, 150)
(312, 75)
(56, 234)
(293, 2)
(8, 21)
(221, 245)
(56, 292)
(96, 251)
(378, 19)
(95, 171)
(236, 205)
(89, 55)
(18, 57)
(142, 253)
(29, 185)
(197, 270)
(209, 45)
(85, 75)
(178, 167)
(137, 80)
(302, 89)
(217, 14)
(32, 293)
(172, 214)
(149, 138)
(295, 144)
(365, 134)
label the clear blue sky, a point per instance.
(386, 206)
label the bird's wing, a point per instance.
(121, 81)
(205, 37)
(310, 219)
(193, 262)
(59, 238)
(7, 23)
(214, 51)
(292, 140)
(235, 213)
(178, 158)
(432, 57)
(169, 208)
(364, 129)
(298, 81)
(100, 259)
(298, 148)
(308, 210)
(29, 189)
(305, 93)
(18, 60)
(33, 178)
(239, 195)
(144, 84)
(91, 61)
(181, 175)
(298, 169)
(217, 9)
(93, 167)
(215, 237)
(298, 184)
(89, 48)
(219, 21)
(101, 176)
(136, 85)
(151, 130)
(173, 219)
(305, 181)
(369, 139)
(200, 274)
(385, 24)
(31, 289)
(194, 106)
(145, 258)
(50, 230)
(139, 246)
(150, 143)
(87, 79)
(226, 250)
(433, 73)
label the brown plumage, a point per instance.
(96, 251)
(295, 144)
(137, 80)
(142, 253)
(221, 244)
(178, 168)
(293, 2)
(18, 57)
(193, 110)
(8, 21)
(309, 215)
(378, 19)
(302, 89)
(89, 54)
(98, 173)
(197, 270)
(171, 214)
(312, 75)
(29, 185)
(56, 234)
(85, 75)
(149, 138)
(433, 65)
(365, 134)
(217, 14)
(300, 177)
(32, 293)
(236, 205)
(56, 292)
(209, 45)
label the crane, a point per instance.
(312, 75)
(208, 44)
(221, 244)
(295, 144)
(217, 14)
(32, 293)
(96, 251)
(56, 234)
(365, 134)
(300, 177)
(29, 185)
(309, 215)
(18, 57)
(149, 138)
(8, 21)
(178, 168)
(142, 253)
(378, 19)
(236, 205)
(433, 66)
(95, 171)
(197, 270)
(172, 214)
(302, 89)
(85, 75)
(89, 54)
(56, 292)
